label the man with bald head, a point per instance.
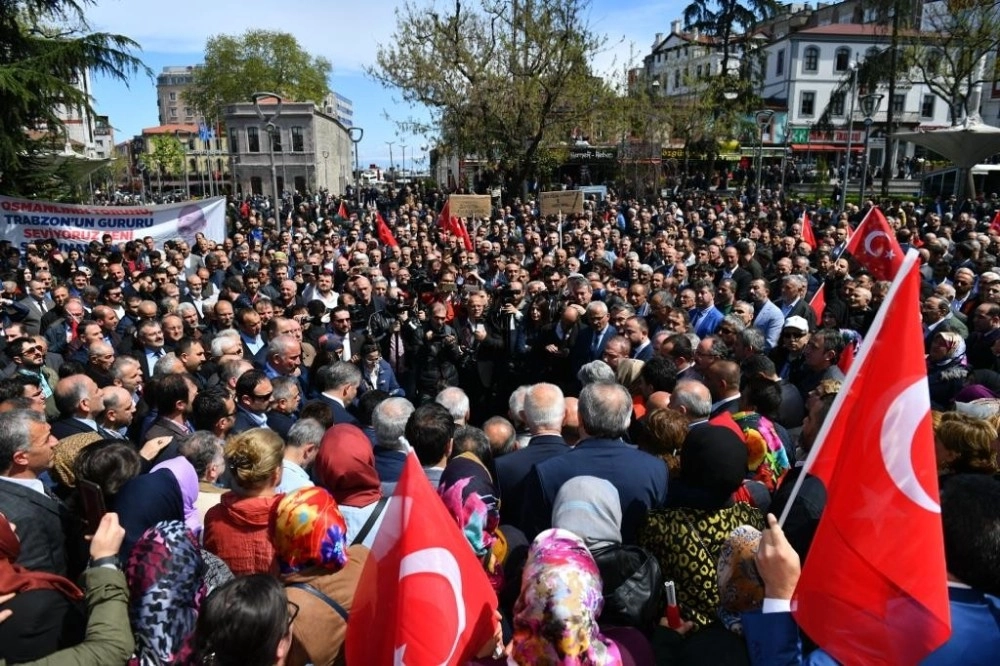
(692, 399)
(723, 381)
(366, 300)
(556, 341)
(79, 401)
(119, 411)
(544, 412)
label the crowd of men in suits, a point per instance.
(555, 340)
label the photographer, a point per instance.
(436, 350)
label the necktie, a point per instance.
(42, 306)
(73, 325)
(596, 345)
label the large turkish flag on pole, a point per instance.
(423, 598)
(874, 587)
(875, 247)
(384, 233)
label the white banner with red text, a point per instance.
(74, 227)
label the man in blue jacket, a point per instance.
(970, 515)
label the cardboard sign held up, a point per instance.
(470, 205)
(568, 202)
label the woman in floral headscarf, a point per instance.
(319, 570)
(946, 369)
(165, 573)
(555, 618)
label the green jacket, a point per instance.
(109, 640)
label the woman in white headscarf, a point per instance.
(633, 584)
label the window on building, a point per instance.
(842, 59)
(298, 140)
(698, 74)
(276, 139)
(927, 106)
(188, 111)
(779, 63)
(898, 103)
(193, 165)
(256, 185)
(253, 140)
(234, 140)
(837, 104)
(933, 62)
(173, 112)
(677, 78)
(807, 103)
(173, 97)
(810, 62)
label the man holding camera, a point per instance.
(438, 354)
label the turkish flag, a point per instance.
(807, 231)
(875, 247)
(384, 233)
(874, 587)
(454, 226)
(995, 223)
(342, 211)
(423, 598)
(818, 303)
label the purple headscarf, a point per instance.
(187, 479)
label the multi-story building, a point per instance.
(79, 125)
(312, 150)
(339, 107)
(104, 138)
(171, 84)
(681, 59)
(206, 159)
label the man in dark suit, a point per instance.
(937, 317)
(38, 304)
(344, 342)
(641, 479)
(970, 508)
(592, 338)
(637, 331)
(285, 403)
(723, 381)
(253, 398)
(731, 270)
(793, 299)
(26, 451)
(79, 402)
(149, 346)
(556, 343)
(175, 396)
(544, 412)
(339, 384)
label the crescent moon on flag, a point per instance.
(900, 424)
(441, 562)
(868, 242)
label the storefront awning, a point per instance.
(825, 147)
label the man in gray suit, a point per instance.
(26, 450)
(38, 305)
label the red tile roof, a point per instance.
(170, 129)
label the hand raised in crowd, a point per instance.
(108, 538)
(4, 614)
(777, 562)
(152, 448)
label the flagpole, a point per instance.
(911, 258)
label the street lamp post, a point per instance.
(869, 107)
(356, 134)
(403, 146)
(187, 175)
(269, 126)
(763, 119)
(326, 169)
(850, 135)
(392, 166)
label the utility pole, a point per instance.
(391, 165)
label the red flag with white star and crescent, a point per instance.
(874, 588)
(875, 247)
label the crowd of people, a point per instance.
(199, 439)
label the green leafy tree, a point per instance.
(507, 82)
(164, 154)
(46, 46)
(950, 59)
(726, 19)
(258, 60)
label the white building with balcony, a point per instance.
(803, 71)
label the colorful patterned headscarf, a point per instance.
(470, 497)
(767, 460)
(308, 530)
(165, 573)
(555, 618)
